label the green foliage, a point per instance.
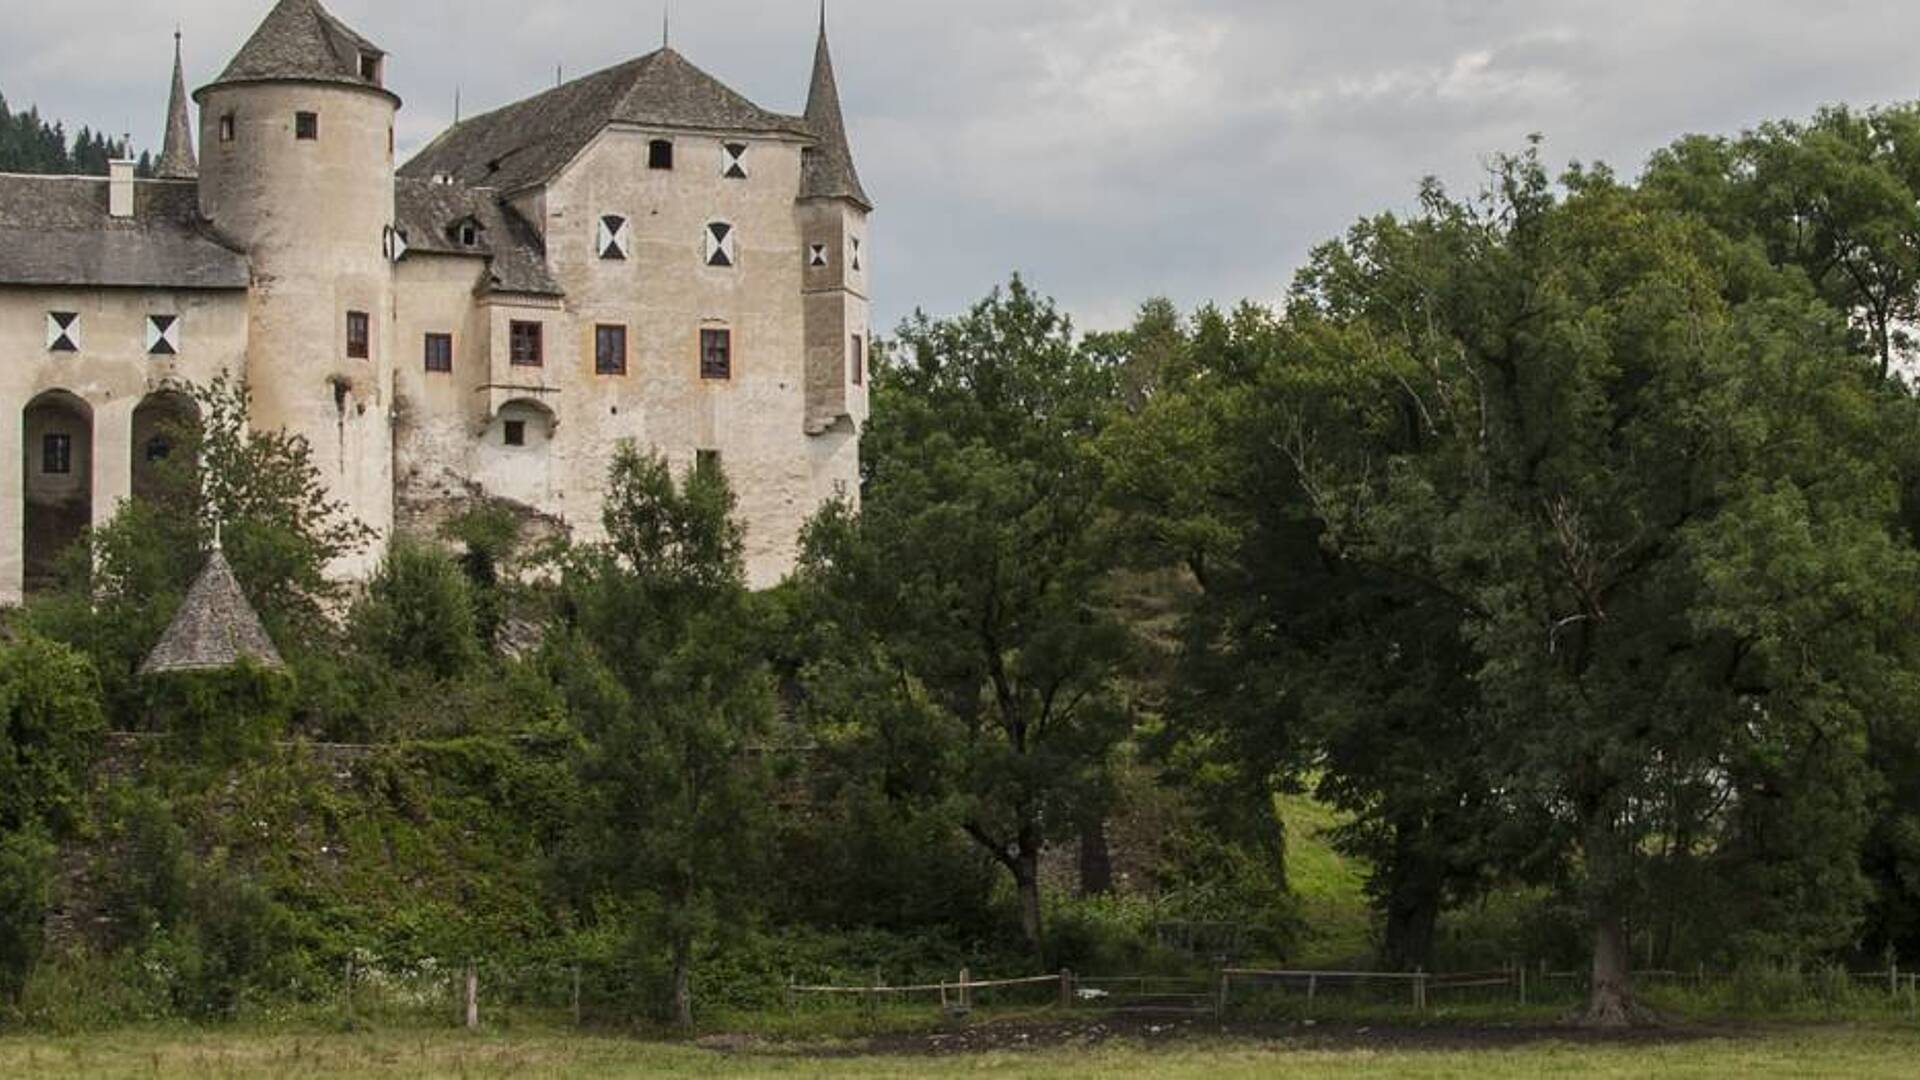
(50, 723)
(418, 614)
(27, 864)
(29, 144)
(219, 718)
(971, 578)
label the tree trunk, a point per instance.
(1413, 912)
(1096, 859)
(683, 982)
(1610, 998)
(1026, 879)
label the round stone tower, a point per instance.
(296, 169)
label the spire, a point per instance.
(828, 172)
(176, 153)
(214, 628)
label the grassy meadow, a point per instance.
(1485, 1055)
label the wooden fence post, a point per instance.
(1419, 991)
(1220, 996)
(1893, 977)
(473, 996)
(1066, 989)
(346, 990)
(1313, 989)
(1520, 977)
(576, 995)
(966, 992)
(793, 999)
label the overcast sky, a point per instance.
(1111, 150)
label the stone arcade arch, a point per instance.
(56, 460)
(163, 420)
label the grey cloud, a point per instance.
(1111, 149)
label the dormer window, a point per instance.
(306, 126)
(733, 161)
(467, 232)
(660, 154)
(370, 67)
(616, 234)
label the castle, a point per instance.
(639, 254)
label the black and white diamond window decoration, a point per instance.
(616, 236)
(733, 161)
(853, 253)
(63, 331)
(393, 243)
(720, 251)
(816, 255)
(163, 335)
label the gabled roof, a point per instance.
(429, 214)
(300, 41)
(214, 629)
(56, 230)
(827, 170)
(176, 152)
(528, 143)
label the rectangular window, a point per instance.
(370, 68)
(716, 354)
(660, 154)
(525, 347)
(859, 360)
(440, 352)
(610, 350)
(56, 454)
(226, 127)
(359, 335)
(306, 126)
(516, 432)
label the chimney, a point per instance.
(120, 188)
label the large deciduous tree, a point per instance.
(661, 663)
(972, 576)
(1648, 476)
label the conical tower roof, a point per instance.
(300, 41)
(828, 172)
(214, 629)
(176, 154)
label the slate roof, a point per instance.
(176, 151)
(827, 170)
(300, 41)
(214, 629)
(56, 231)
(430, 213)
(525, 144)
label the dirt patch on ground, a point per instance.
(1017, 1036)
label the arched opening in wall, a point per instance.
(166, 423)
(57, 461)
(523, 424)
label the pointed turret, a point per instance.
(215, 627)
(828, 172)
(301, 41)
(176, 155)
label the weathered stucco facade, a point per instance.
(640, 254)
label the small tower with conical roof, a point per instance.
(215, 628)
(177, 160)
(834, 211)
(297, 170)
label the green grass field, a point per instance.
(1809, 1052)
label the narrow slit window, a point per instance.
(610, 350)
(858, 360)
(439, 353)
(660, 154)
(306, 126)
(226, 127)
(359, 335)
(526, 344)
(716, 354)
